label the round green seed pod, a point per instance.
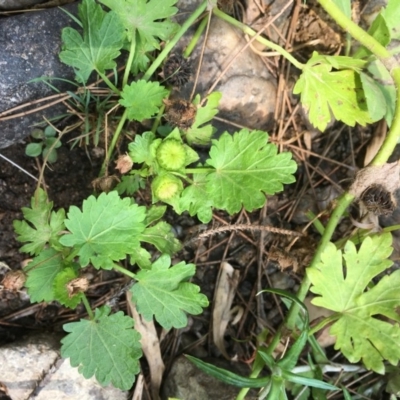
(171, 155)
(166, 187)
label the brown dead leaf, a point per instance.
(124, 164)
(14, 280)
(227, 281)
(151, 348)
(283, 258)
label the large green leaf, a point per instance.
(367, 322)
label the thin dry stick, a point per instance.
(203, 47)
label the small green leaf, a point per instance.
(41, 272)
(107, 347)
(154, 213)
(140, 148)
(60, 290)
(368, 324)
(106, 230)
(229, 377)
(49, 131)
(163, 292)
(162, 237)
(142, 99)
(324, 91)
(34, 149)
(142, 258)
(199, 133)
(41, 225)
(50, 154)
(150, 19)
(103, 35)
(376, 101)
(130, 184)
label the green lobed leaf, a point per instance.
(103, 35)
(195, 199)
(107, 347)
(140, 149)
(360, 330)
(106, 230)
(163, 292)
(162, 237)
(142, 99)
(150, 19)
(142, 258)
(41, 225)
(41, 272)
(324, 91)
(247, 168)
(199, 133)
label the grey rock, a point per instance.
(18, 4)
(248, 89)
(31, 368)
(29, 48)
(186, 381)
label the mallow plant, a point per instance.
(240, 171)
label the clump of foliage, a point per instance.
(240, 171)
(47, 144)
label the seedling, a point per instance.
(47, 145)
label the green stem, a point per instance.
(129, 61)
(109, 83)
(245, 29)
(196, 37)
(124, 271)
(113, 142)
(393, 135)
(358, 33)
(85, 302)
(170, 45)
(200, 170)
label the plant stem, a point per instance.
(200, 170)
(85, 302)
(393, 135)
(264, 41)
(124, 271)
(109, 83)
(196, 37)
(170, 45)
(129, 61)
(113, 142)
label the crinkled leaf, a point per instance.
(103, 35)
(106, 230)
(162, 237)
(140, 148)
(130, 184)
(367, 327)
(41, 272)
(107, 347)
(195, 199)
(142, 258)
(150, 19)
(60, 291)
(247, 168)
(142, 99)
(199, 133)
(41, 225)
(324, 91)
(163, 292)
